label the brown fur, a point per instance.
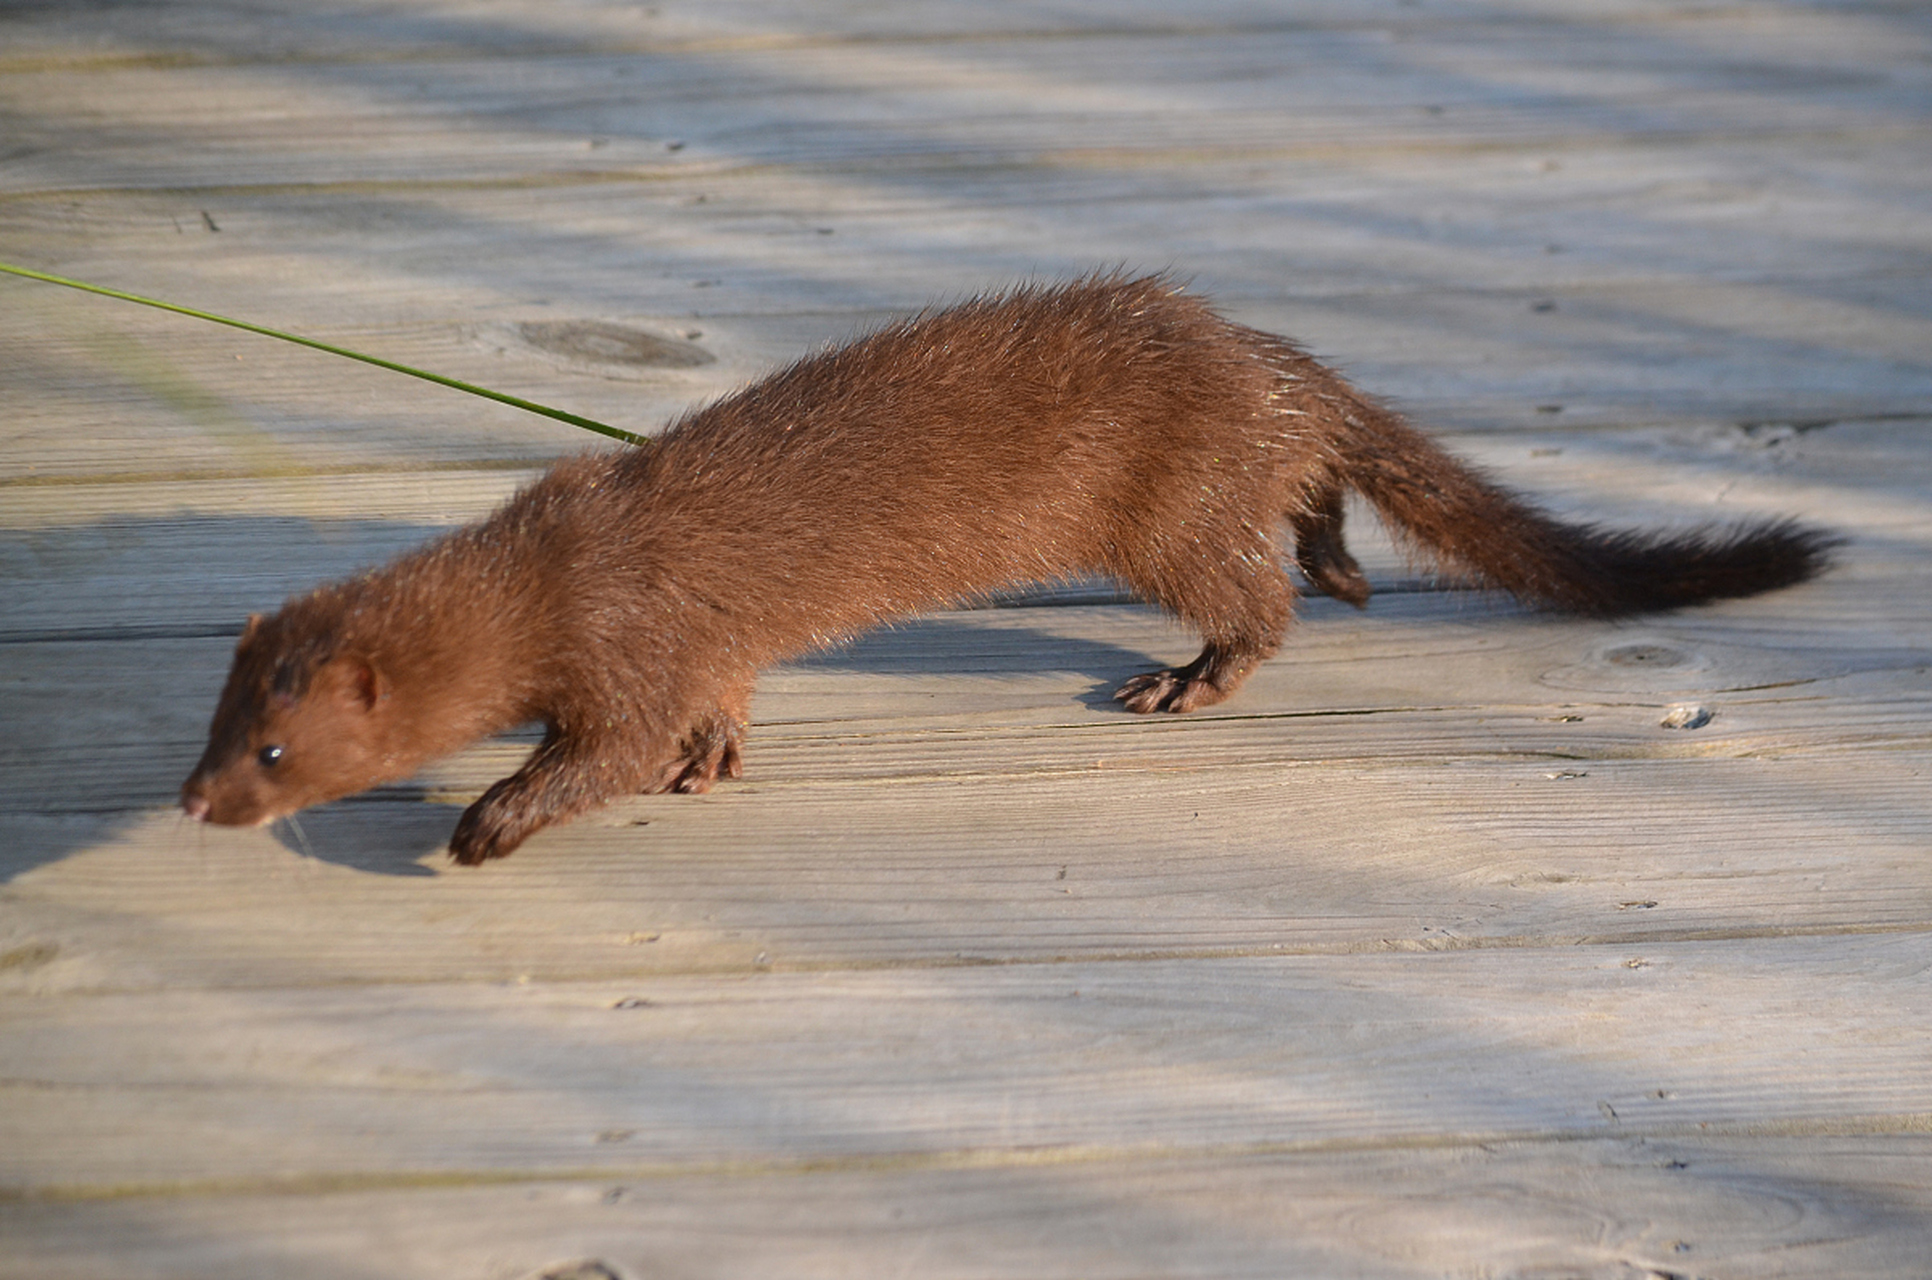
(627, 600)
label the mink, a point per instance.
(626, 600)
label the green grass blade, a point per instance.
(515, 402)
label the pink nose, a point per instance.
(195, 805)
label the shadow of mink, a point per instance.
(627, 599)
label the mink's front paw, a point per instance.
(487, 830)
(714, 748)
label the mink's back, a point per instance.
(1028, 437)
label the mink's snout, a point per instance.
(203, 800)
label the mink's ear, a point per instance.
(369, 685)
(355, 680)
(249, 629)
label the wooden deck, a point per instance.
(1433, 954)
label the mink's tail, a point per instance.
(1451, 513)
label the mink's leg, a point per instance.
(711, 747)
(1242, 615)
(562, 778)
(1224, 578)
(1320, 553)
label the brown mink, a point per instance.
(627, 600)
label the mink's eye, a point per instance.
(269, 756)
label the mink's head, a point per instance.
(301, 720)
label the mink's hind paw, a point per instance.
(1172, 689)
(1209, 679)
(1339, 577)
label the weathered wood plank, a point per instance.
(1602, 1209)
(957, 692)
(1340, 857)
(779, 1071)
(1025, 691)
(1254, 89)
(1441, 317)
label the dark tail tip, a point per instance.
(1618, 573)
